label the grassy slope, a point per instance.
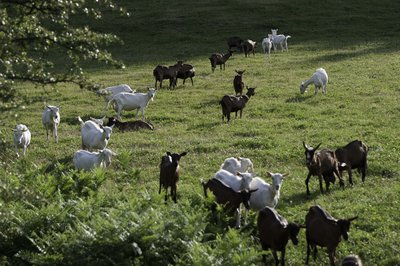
(357, 45)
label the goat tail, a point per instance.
(287, 37)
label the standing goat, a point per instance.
(163, 72)
(319, 79)
(275, 232)
(94, 136)
(249, 46)
(325, 231)
(169, 173)
(22, 138)
(131, 101)
(267, 44)
(186, 71)
(51, 120)
(238, 84)
(323, 164)
(219, 59)
(280, 40)
(235, 42)
(354, 155)
(86, 160)
(230, 103)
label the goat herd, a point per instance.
(235, 183)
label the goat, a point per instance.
(274, 233)
(235, 42)
(351, 260)
(230, 198)
(186, 71)
(267, 44)
(237, 164)
(109, 92)
(163, 72)
(132, 101)
(219, 59)
(323, 164)
(319, 79)
(238, 84)
(280, 40)
(169, 173)
(238, 181)
(354, 155)
(230, 103)
(249, 46)
(129, 125)
(325, 231)
(51, 120)
(86, 160)
(22, 138)
(94, 136)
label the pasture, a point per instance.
(51, 214)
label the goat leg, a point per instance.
(307, 180)
(320, 183)
(341, 183)
(308, 252)
(275, 257)
(350, 175)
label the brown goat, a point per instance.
(186, 71)
(238, 84)
(169, 173)
(275, 231)
(249, 46)
(235, 42)
(325, 231)
(228, 197)
(322, 164)
(219, 59)
(163, 72)
(354, 155)
(129, 125)
(230, 103)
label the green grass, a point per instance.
(75, 217)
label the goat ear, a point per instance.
(317, 146)
(270, 174)
(238, 174)
(285, 174)
(183, 153)
(253, 190)
(352, 219)
(305, 145)
(112, 126)
(168, 153)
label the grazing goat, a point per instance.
(235, 42)
(280, 40)
(266, 195)
(237, 164)
(230, 198)
(249, 46)
(86, 160)
(51, 120)
(186, 71)
(129, 125)
(169, 173)
(325, 231)
(238, 84)
(230, 103)
(132, 101)
(94, 136)
(163, 72)
(354, 155)
(22, 138)
(267, 44)
(319, 79)
(219, 59)
(238, 181)
(351, 260)
(275, 232)
(323, 164)
(109, 92)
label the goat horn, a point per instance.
(269, 173)
(317, 146)
(351, 219)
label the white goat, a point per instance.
(94, 136)
(51, 120)
(86, 160)
(22, 138)
(280, 40)
(131, 101)
(109, 92)
(237, 164)
(319, 79)
(238, 181)
(267, 44)
(266, 194)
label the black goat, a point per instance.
(186, 71)
(325, 231)
(275, 232)
(323, 164)
(249, 46)
(238, 84)
(219, 59)
(129, 125)
(163, 72)
(231, 103)
(235, 42)
(169, 173)
(354, 155)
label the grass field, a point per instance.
(51, 214)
